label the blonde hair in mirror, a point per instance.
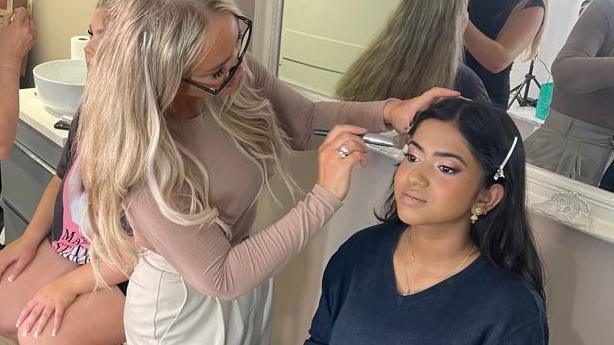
(124, 143)
(420, 47)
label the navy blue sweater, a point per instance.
(360, 304)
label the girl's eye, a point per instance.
(447, 170)
(411, 158)
(90, 33)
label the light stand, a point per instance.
(525, 101)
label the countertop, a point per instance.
(33, 113)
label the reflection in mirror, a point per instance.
(338, 49)
(321, 38)
(419, 46)
(577, 139)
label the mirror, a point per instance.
(319, 41)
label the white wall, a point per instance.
(321, 38)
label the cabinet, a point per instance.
(33, 160)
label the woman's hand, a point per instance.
(16, 38)
(51, 300)
(340, 151)
(399, 113)
(17, 255)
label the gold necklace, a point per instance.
(409, 291)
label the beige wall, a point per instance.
(57, 21)
(580, 284)
(248, 7)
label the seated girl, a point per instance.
(47, 284)
(454, 261)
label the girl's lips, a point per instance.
(411, 199)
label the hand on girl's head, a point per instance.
(400, 114)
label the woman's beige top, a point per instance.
(228, 267)
(584, 69)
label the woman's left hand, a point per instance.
(16, 38)
(51, 300)
(399, 114)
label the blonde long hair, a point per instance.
(420, 47)
(124, 142)
(531, 50)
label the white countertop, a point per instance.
(33, 113)
(527, 113)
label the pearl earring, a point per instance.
(475, 215)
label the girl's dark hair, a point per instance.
(503, 235)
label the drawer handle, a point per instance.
(34, 157)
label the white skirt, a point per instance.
(162, 308)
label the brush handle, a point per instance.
(370, 138)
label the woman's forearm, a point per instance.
(517, 34)
(9, 106)
(82, 280)
(488, 52)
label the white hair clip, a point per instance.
(499, 174)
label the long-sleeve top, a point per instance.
(481, 305)
(227, 267)
(583, 71)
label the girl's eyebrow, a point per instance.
(439, 153)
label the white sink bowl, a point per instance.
(60, 84)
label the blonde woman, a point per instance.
(47, 286)
(180, 131)
(420, 47)
(498, 32)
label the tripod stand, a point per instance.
(525, 101)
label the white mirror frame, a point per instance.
(580, 206)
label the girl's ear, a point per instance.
(490, 197)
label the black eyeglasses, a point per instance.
(245, 35)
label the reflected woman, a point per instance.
(498, 32)
(420, 47)
(577, 139)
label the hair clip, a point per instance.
(499, 174)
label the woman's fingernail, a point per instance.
(11, 279)
(36, 334)
(54, 333)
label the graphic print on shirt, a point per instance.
(73, 243)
